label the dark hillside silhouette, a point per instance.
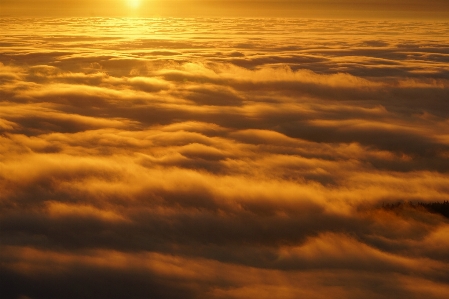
(441, 208)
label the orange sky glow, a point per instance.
(430, 9)
(212, 149)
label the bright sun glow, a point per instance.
(133, 3)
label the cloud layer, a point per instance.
(222, 158)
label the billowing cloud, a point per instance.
(224, 159)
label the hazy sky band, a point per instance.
(432, 9)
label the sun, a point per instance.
(133, 3)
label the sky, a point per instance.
(411, 9)
(223, 158)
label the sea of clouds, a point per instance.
(223, 158)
